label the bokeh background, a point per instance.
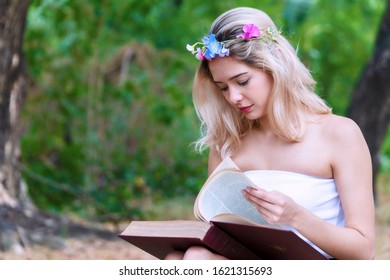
(108, 121)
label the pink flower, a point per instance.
(250, 31)
(199, 55)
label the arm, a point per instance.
(351, 165)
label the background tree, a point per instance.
(109, 116)
(21, 223)
(370, 104)
(12, 93)
(13, 194)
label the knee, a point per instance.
(200, 253)
(196, 253)
(175, 255)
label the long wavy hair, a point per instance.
(292, 96)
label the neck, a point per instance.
(263, 124)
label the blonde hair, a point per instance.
(222, 126)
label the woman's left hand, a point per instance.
(275, 207)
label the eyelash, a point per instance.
(239, 83)
(243, 83)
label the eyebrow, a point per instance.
(233, 77)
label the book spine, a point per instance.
(223, 244)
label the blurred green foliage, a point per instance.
(109, 117)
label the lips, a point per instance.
(245, 109)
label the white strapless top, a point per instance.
(318, 195)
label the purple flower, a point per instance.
(250, 31)
(224, 52)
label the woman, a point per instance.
(257, 104)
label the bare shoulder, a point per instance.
(339, 128)
(345, 140)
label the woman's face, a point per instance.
(244, 87)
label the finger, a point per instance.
(259, 203)
(266, 209)
(264, 201)
(272, 197)
(259, 195)
(267, 213)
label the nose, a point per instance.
(235, 96)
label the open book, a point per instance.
(222, 194)
(227, 224)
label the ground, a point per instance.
(48, 237)
(41, 235)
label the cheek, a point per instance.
(223, 97)
(266, 96)
(262, 98)
(265, 91)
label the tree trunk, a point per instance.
(13, 194)
(21, 225)
(12, 92)
(370, 104)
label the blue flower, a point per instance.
(210, 47)
(213, 47)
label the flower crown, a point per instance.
(210, 46)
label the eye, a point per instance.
(243, 83)
(223, 89)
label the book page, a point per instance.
(223, 194)
(226, 164)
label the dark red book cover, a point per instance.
(159, 238)
(271, 243)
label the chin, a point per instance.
(252, 116)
